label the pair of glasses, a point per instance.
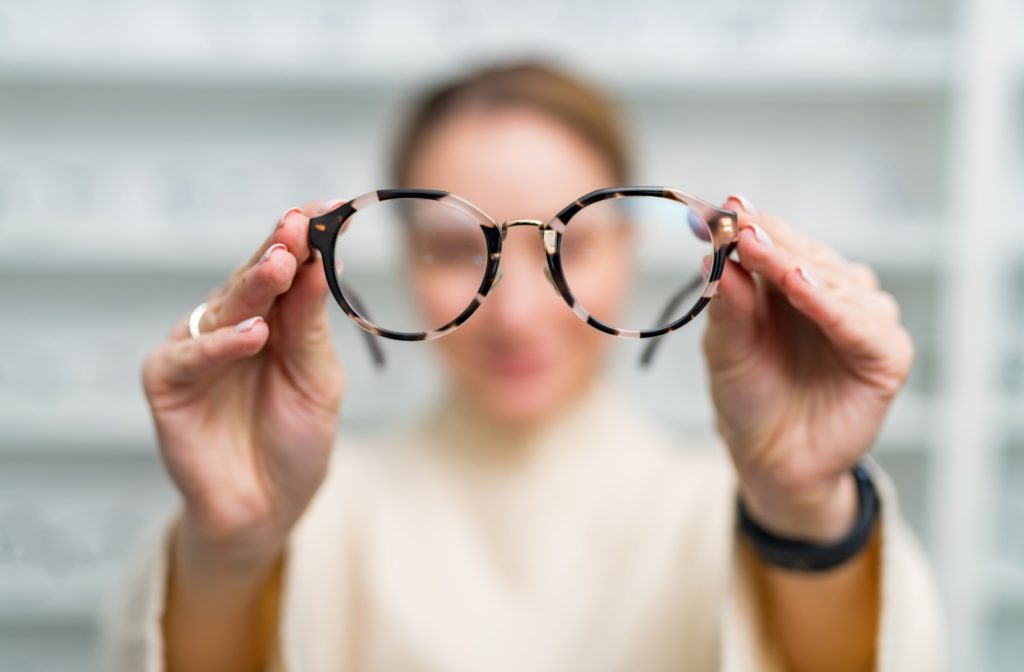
(414, 264)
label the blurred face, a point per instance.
(523, 355)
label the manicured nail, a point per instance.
(284, 215)
(745, 203)
(762, 235)
(270, 250)
(808, 278)
(329, 205)
(246, 325)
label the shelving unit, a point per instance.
(145, 152)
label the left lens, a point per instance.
(635, 262)
(410, 265)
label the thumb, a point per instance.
(733, 324)
(302, 331)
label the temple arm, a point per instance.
(670, 309)
(376, 353)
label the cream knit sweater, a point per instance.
(596, 544)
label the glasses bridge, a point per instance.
(509, 223)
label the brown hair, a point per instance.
(566, 98)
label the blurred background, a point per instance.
(147, 148)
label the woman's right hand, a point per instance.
(246, 414)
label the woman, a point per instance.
(532, 522)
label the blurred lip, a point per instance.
(518, 364)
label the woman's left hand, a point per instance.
(805, 353)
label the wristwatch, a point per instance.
(802, 555)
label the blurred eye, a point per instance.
(581, 248)
(448, 249)
(698, 226)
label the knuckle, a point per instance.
(152, 369)
(891, 305)
(212, 319)
(277, 275)
(865, 274)
(820, 254)
(899, 363)
(751, 253)
(909, 348)
(773, 223)
(334, 387)
(206, 346)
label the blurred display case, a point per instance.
(146, 148)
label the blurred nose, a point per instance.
(523, 291)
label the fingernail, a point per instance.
(246, 325)
(330, 205)
(744, 202)
(270, 250)
(284, 215)
(762, 235)
(808, 278)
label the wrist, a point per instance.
(820, 513)
(223, 563)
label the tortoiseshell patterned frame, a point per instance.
(722, 227)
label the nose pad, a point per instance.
(551, 281)
(497, 279)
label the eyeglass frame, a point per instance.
(722, 224)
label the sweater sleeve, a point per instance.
(130, 628)
(131, 633)
(911, 631)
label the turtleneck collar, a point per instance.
(460, 428)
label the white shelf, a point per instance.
(30, 594)
(1005, 584)
(887, 244)
(1013, 418)
(687, 65)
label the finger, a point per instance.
(293, 228)
(732, 317)
(303, 307)
(302, 334)
(853, 320)
(759, 253)
(254, 291)
(254, 286)
(863, 275)
(288, 219)
(768, 225)
(888, 306)
(195, 359)
(317, 208)
(180, 329)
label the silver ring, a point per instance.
(193, 319)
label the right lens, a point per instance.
(410, 265)
(635, 262)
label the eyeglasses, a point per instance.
(414, 264)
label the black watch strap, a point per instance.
(801, 555)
